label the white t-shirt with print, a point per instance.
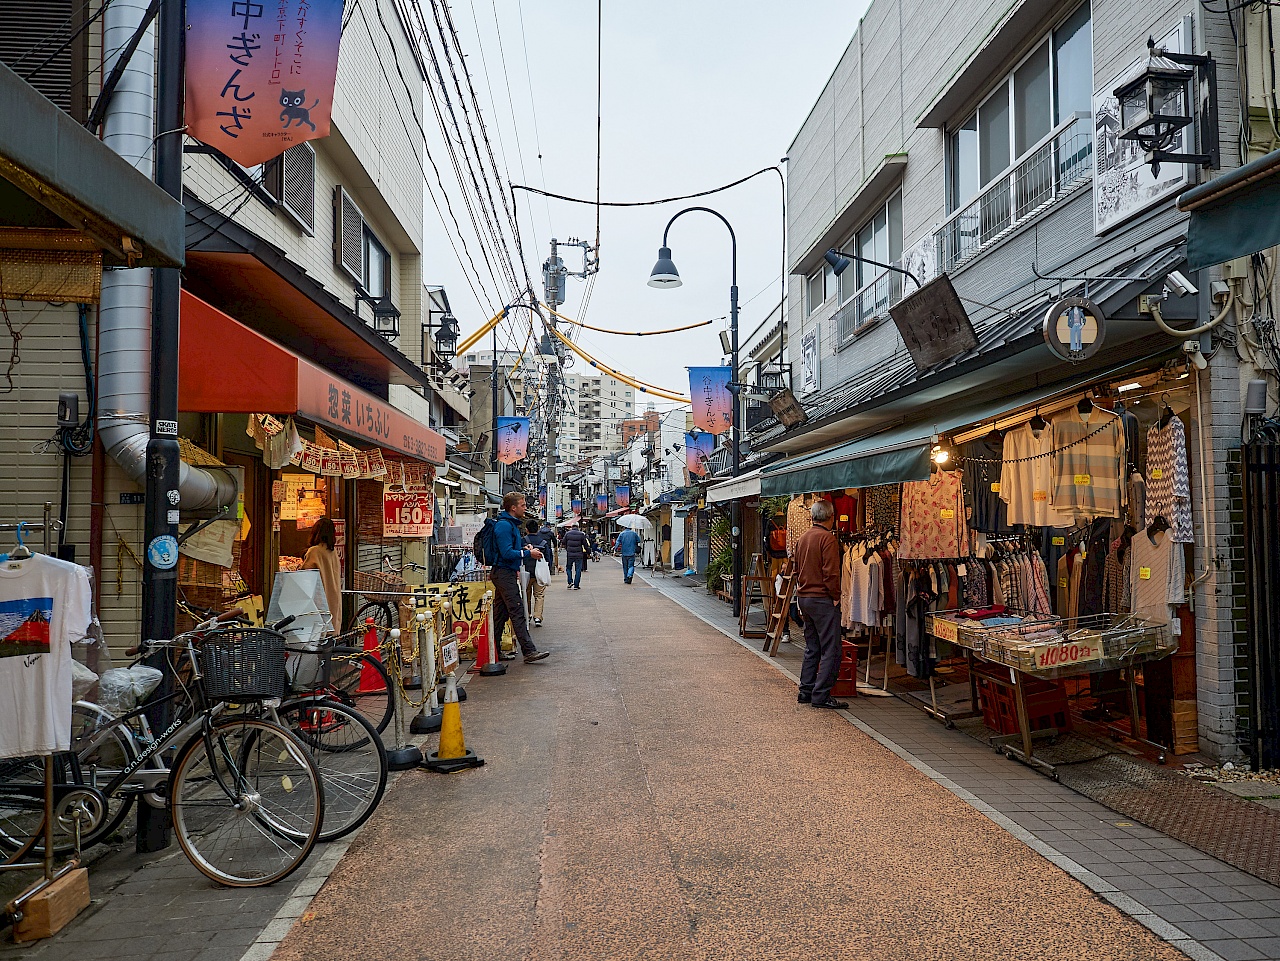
(45, 607)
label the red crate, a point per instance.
(846, 684)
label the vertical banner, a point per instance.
(577, 505)
(697, 452)
(513, 439)
(622, 495)
(559, 511)
(260, 76)
(602, 503)
(542, 496)
(712, 399)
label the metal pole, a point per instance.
(159, 573)
(493, 437)
(735, 452)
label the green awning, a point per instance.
(1234, 215)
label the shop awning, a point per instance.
(1234, 215)
(745, 485)
(226, 368)
(900, 453)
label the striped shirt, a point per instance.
(1087, 478)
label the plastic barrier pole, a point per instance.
(428, 719)
(495, 667)
(404, 755)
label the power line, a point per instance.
(537, 140)
(648, 203)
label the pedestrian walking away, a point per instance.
(818, 587)
(534, 592)
(627, 543)
(508, 605)
(576, 546)
(553, 558)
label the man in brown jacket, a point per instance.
(818, 586)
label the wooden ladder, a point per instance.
(781, 608)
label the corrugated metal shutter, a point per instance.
(30, 36)
(348, 235)
(370, 544)
(298, 183)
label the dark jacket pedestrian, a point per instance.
(576, 546)
(508, 602)
(535, 593)
(818, 587)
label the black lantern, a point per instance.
(386, 318)
(1157, 104)
(447, 338)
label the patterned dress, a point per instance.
(1168, 479)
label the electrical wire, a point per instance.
(637, 333)
(58, 52)
(648, 203)
(617, 374)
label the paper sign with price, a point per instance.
(945, 630)
(1049, 656)
(448, 656)
(407, 513)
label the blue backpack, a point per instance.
(485, 544)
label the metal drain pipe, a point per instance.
(124, 315)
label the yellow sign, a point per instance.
(1144, 573)
(1059, 542)
(1156, 473)
(1039, 496)
(947, 513)
(1083, 480)
(995, 487)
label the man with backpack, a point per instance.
(501, 543)
(576, 546)
(627, 543)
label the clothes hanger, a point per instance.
(22, 552)
(1166, 412)
(1085, 407)
(1038, 423)
(994, 436)
(1158, 525)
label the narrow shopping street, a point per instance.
(654, 791)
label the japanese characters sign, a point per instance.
(622, 495)
(260, 76)
(602, 502)
(712, 400)
(513, 439)
(697, 453)
(407, 513)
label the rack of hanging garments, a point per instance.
(867, 595)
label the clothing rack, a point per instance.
(46, 864)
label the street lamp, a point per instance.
(447, 338)
(386, 318)
(839, 260)
(664, 274)
(1156, 105)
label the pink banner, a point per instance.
(697, 453)
(712, 399)
(513, 439)
(260, 76)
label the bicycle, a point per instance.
(245, 799)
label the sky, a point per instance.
(694, 95)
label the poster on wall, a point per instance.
(1123, 184)
(407, 513)
(809, 361)
(260, 76)
(712, 399)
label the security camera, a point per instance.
(1179, 284)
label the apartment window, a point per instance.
(377, 266)
(817, 288)
(291, 180)
(866, 291)
(1047, 88)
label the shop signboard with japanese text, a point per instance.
(513, 439)
(260, 76)
(407, 513)
(712, 399)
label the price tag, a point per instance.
(945, 630)
(1156, 473)
(947, 514)
(961, 570)
(1144, 573)
(1061, 655)
(449, 656)
(1083, 480)
(1039, 496)
(1060, 541)
(1062, 582)
(995, 487)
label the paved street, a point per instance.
(655, 791)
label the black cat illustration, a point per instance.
(292, 101)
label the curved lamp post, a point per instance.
(664, 274)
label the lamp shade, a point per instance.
(664, 273)
(837, 261)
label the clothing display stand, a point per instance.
(62, 893)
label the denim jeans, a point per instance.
(574, 568)
(628, 566)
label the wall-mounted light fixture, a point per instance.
(1158, 103)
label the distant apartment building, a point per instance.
(594, 411)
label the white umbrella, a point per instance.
(635, 522)
(571, 522)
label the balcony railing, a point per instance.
(1056, 165)
(868, 306)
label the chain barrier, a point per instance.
(962, 459)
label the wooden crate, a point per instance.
(48, 912)
(1186, 738)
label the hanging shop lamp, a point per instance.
(1158, 104)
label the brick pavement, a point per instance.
(1207, 908)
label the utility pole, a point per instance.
(553, 284)
(159, 572)
(493, 411)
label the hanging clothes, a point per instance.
(1157, 571)
(799, 520)
(1116, 590)
(983, 466)
(883, 504)
(1087, 465)
(848, 515)
(919, 660)
(1097, 543)
(1026, 475)
(1168, 479)
(933, 522)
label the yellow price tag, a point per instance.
(995, 487)
(1083, 480)
(1059, 542)
(1144, 573)
(1062, 582)
(1039, 496)
(1156, 473)
(947, 513)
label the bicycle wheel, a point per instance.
(382, 613)
(359, 680)
(246, 802)
(22, 803)
(349, 755)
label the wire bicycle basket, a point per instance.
(243, 664)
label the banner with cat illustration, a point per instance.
(260, 76)
(513, 439)
(712, 399)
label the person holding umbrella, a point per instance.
(627, 543)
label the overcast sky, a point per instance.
(695, 94)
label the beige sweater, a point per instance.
(320, 558)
